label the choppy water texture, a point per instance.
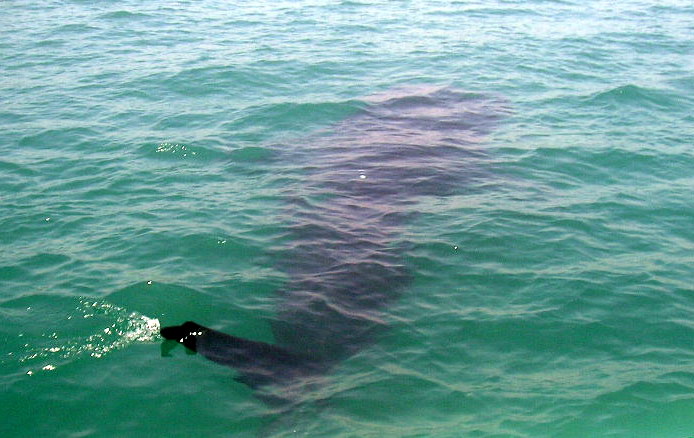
(155, 158)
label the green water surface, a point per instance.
(139, 185)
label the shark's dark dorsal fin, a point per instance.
(258, 362)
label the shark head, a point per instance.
(185, 333)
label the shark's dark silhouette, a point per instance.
(345, 266)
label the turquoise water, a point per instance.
(143, 182)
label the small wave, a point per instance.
(121, 15)
(50, 138)
(211, 80)
(250, 154)
(116, 328)
(307, 111)
(175, 151)
(632, 95)
(75, 28)
(289, 118)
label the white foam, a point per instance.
(121, 328)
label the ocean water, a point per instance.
(151, 153)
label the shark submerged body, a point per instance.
(345, 265)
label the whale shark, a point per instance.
(345, 259)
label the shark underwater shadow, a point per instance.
(362, 183)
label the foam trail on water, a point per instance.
(116, 328)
